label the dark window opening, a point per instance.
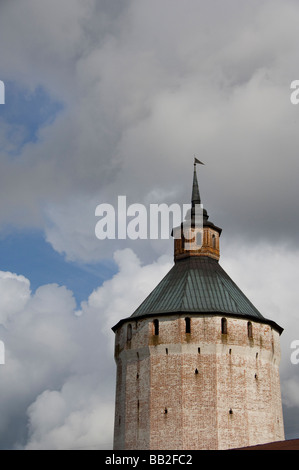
(165, 411)
(129, 332)
(230, 411)
(198, 349)
(188, 325)
(166, 350)
(156, 327)
(224, 326)
(196, 371)
(249, 330)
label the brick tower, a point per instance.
(197, 363)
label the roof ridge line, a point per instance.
(184, 289)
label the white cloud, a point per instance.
(118, 297)
(59, 370)
(14, 295)
(74, 418)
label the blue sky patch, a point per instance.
(28, 253)
(26, 112)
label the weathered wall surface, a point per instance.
(197, 390)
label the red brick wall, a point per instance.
(172, 395)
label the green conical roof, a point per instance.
(198, 285)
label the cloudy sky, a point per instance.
(106, 98)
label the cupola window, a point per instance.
(214, 242)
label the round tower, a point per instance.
(197, 363)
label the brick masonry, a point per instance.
(209, 246)
(197, 390)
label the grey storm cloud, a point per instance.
(143, 86)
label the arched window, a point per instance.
(188, 325)
(156, 327)
(224, 326)
(249, 330)
(129, 332)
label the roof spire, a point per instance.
(196, 236)
(195, 199)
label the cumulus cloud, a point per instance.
(39, 349)
(119, 297)
(74, 418)
(9, 303)
(59, 370)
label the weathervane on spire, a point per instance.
(197, 161)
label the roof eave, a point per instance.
(271, 323)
